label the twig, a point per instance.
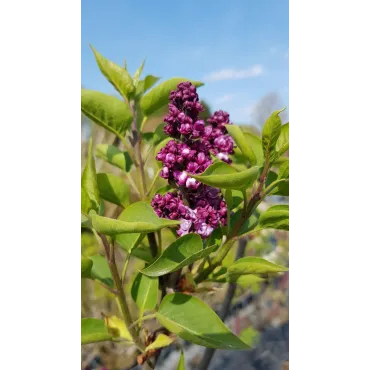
(121, 294)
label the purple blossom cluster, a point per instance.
(219, 143)
(201, 208)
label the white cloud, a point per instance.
(224, 99)
(234, 74)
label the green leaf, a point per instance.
(157, 97)
(114, 156)
(138, 72)
(183, 252)
(117, 328)
(89, 186)
(249, 336)
(93, 330)
(222, 175)
(181, 364)
(100, 270)
(192, 320)
(146, 84)
(241, 142)
(284, 171)
(255, 144)
(136, 212)
(106, 111)
(244, 280)
(282, 188)
(276, 217)
(113, 189)
(270, 134)
(282, 144)
(254, 265)
(115, 74)
(161, 341)
(86, 265)
(144, 292)
(143, 220)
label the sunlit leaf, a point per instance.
(118, 76)
(222, 175)
(143, 220)
(105, 110)
(270, 134)
(113, 189)
(183, 252)
(161, 341)
(276, 217)
(144, 292)
(117, 328)
(93, 330)
(254, 265)
(114, 156)
(191, 319)
(100, 270)
(241, 142)
(90, 199)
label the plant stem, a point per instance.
(136, 142)
(144, 318)
(153, 183)
(209, 352)
(121, 295)
(125, 266)
(133, 184)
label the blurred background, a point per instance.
(239, 49)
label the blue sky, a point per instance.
(239, 48)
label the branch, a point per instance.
(121, 294)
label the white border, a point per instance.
(40, 176)
(329, 202)
(329, 145)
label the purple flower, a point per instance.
(184, 227)
(205, 208)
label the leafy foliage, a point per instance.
(212, 179)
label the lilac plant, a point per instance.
(211, 202)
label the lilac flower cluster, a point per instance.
(201, 208)
(219, 143)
